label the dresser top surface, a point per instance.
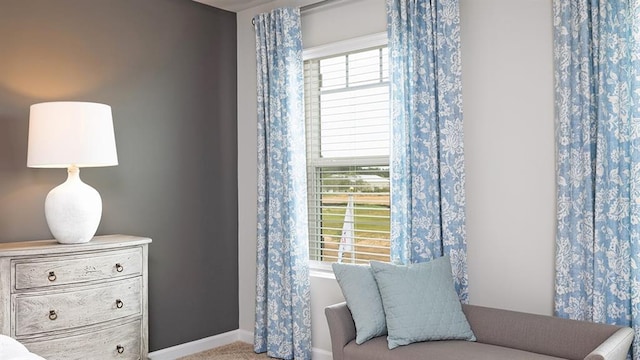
(52, 246)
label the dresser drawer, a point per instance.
(102, 344)
(33, 274)
(39, 313)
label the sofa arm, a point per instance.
(615, 347)
(341, 328)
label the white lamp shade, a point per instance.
(71, 133)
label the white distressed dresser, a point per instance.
(81, 301)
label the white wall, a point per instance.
(508, 114)
(510, 152)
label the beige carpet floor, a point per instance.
(237, 350)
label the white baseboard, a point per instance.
(245, 336)
(319, 354)
(211, 342)
(196, 346)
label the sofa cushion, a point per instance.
(420, 302)
(554, 336)
(376, 349)
(363, 299)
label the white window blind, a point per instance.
(348, 131)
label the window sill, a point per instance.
(318, 269)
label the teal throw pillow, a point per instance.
(363, 299)
(420, 302)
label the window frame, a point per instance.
(320, 268)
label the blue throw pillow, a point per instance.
(420, 302)
(363, 299)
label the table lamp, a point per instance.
(71, 135)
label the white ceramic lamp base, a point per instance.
(73, 210)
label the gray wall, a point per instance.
(168, 69)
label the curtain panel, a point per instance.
(283, 316)
(597, 69)
(427, 155)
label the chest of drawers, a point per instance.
(82, 301)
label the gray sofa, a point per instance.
(501, 334)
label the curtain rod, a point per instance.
(315, 5)
(309, 7)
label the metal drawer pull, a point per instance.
(119, 267)
(120, 349)
(52, 276)
(119, 304)
(52, 315)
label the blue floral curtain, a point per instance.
(283, 317)
(427, 157)
(597, 92)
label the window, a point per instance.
(348, 133)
